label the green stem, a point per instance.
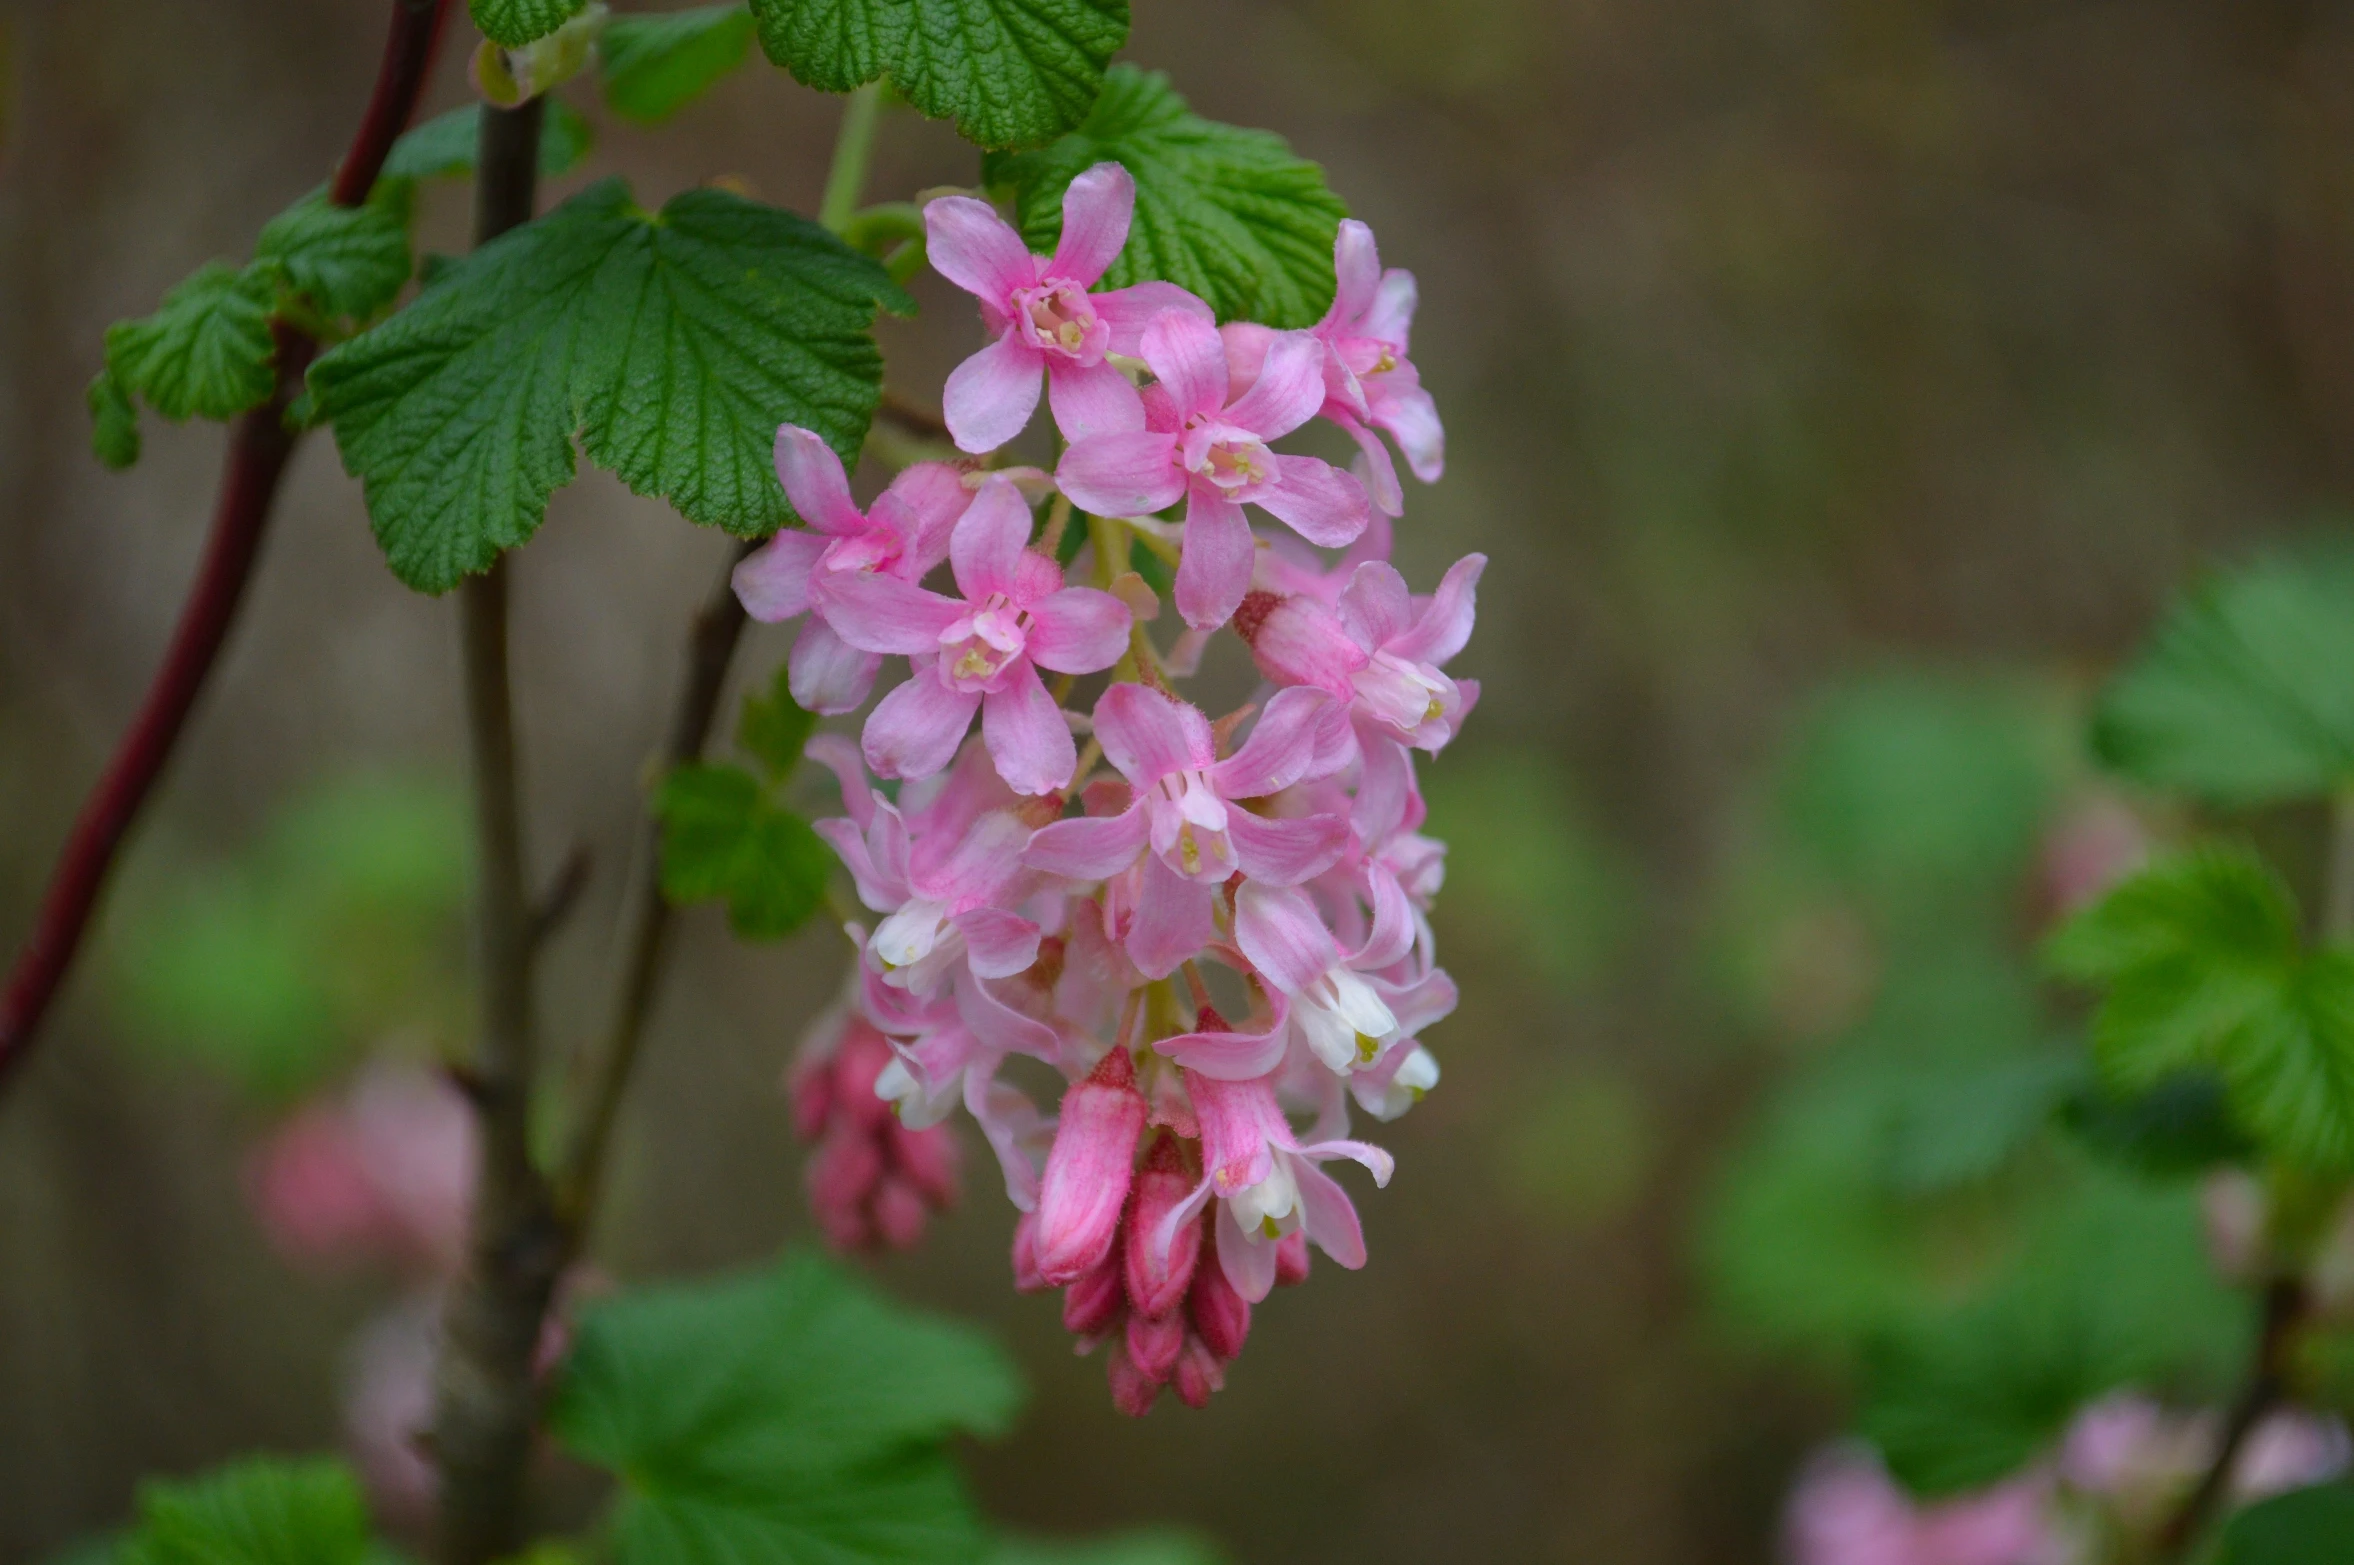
(854, 148)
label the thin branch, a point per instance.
(259, 445)
(2286, 1306)
(711, 647)
(486, 1402)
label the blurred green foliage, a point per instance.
(1525, 869)
(342, 926)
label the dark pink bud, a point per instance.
(1092, 1305)
(1026, 1278)
(1155, 1288)
(926, 1159)
(861, 1059)
(1198, 1374)
(842, 1174)
(899, 1213)
(1133, 1391)
(1154, 1343)
(1220, 1316)
(1291, 1259)
(812, 1087)
(1089, 1170)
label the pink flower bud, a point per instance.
(1157, 1284)
(863, 1055)
(1133, 1391)
(899, 1213)
(1220, 1316)
(1154, 1343)
(1291, 1259)
(1198, 1374)
(842, 1175)
(1089, 1170)
(812, 1088)
(1092, 1305)
(926, 1159)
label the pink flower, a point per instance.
(1088, 1172)
(904, 535)
(1846, 1510)
(1379, 649)
(1268, 1185)
(983, 651)
(1186, 810)
(943, 873)
(1197, 446)
(1367, 377)
(1335, 1003)
(1043, 315)
(386, 1174)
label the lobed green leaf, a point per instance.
(2204, 968)
(655, 64)
(206, 352)
(1228, 213)
(445, 146)
(1010, 73)
(261, 1511)
(774, 727)
(2246, 696)
(114, 421)
(722, 840)
(671, 344)
(515, 23)
(1152, 1546)
(782, 1415)
(347, 262)
(2305, 1527)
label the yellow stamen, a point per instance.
(1189, 852)
(1267, 1227)
(1367, 1048)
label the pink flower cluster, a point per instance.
(1074, 885)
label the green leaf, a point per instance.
(1225, 212)
(2175, 1129)
(673, 344)
(114, 421)
(206, 351)
(723, 840)
(347, 261)
(780, 1416)
(2114, 1289)
(2203, 966)
(2246, 696)
(774, 728)
(2307, 1527)
(261, 1511)
(444, 147)
(655, 64)
(515, 23)
(1151, 1546)
(1011, 73)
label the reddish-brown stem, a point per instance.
(259, 444)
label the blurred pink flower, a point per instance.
(1846, 1510)
(386, 1173)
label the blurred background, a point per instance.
(1839, 387)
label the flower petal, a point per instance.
(1373, 468)
(1410, 415)
(1289, 390)
(989, 397)
(1445, 625)
(1215, 570)
(878, 613)
(1328, 1215)
(828, 675)
(1133, 474)
(1148, 735)
(1078, 630)
(1128, 311)
(1092, 399)
(814, 481)
(1026, 734)
(998, 943)
(914, 731)
(1356, 271)
(1376, 605)
(1097, 208)
(1089, 847)
(1189, 360)
(838, 754)
(1391, 315)
(1172, 920)
(970, 245)
(922, 503)
(1281, 748)
(773, 581)
(1316, 500)
(985, 551)
(1249, 1264)
(1393, 926)
(1009, 1120)
(1287, 852)
(1230, 1056)
(1280, 931)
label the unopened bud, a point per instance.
(1026, 1278)
(1092, 1305)
(1220, 1316)
(1198, 1374)
(1133, 1391)
(1154, 1343)
(1157, 1283)
(1089, 1170)
(1291, 1259)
